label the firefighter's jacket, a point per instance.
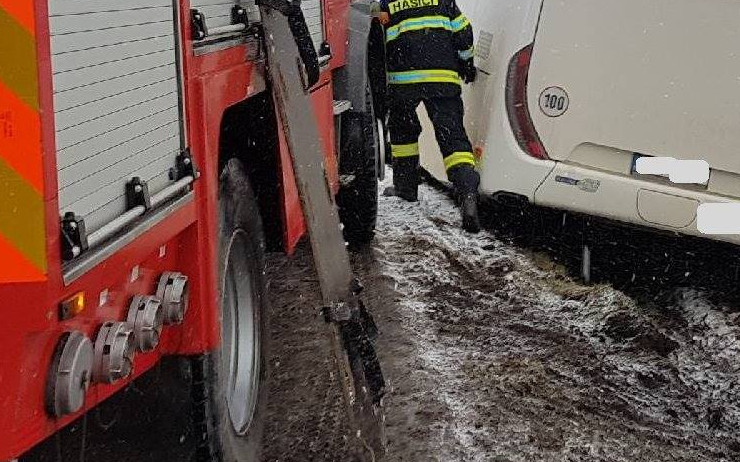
(427, 41)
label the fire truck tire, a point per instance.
(358, 171)
(230, 386)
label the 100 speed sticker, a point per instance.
(554, 101)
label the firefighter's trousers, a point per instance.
(446, 114)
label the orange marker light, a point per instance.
(72, 306)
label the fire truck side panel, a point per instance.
(32, 309)
(108, 290)
(22, 218)
(48, 143)
(179, 237)
(295, 225)
(26, 288)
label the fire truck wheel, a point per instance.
(358, 171)
(230, 389)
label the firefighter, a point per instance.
(430, 53)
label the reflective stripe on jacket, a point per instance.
(426, 40)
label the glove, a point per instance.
(468, 71)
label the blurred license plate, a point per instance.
(679, 176)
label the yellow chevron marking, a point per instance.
(22, 216)
(18, 68)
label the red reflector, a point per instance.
(517, 107)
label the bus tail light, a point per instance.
(517, 107)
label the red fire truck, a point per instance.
(144, 171)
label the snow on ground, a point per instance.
(516, 362)
(493, 353)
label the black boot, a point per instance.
(469, 209)
(407, 194)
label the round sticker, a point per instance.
(554, 101)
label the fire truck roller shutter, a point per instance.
(116, 102)
(22, 227)
(218, 12)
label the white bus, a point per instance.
(581, 104)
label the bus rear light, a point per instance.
(517, 107)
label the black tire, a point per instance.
(358, 170)
(241, 257)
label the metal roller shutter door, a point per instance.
(218, 12)
(116, 101)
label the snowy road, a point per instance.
(491, 351)
(495, 354)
